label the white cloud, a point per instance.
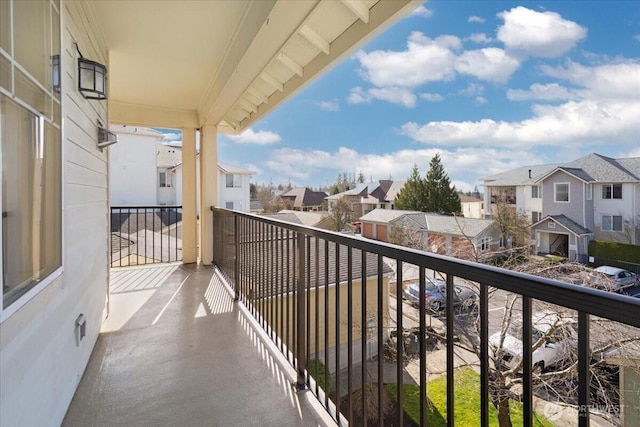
(480, 100)
(472, 89)
(490, 64)
(609, 81)
(171, 136)
(540, 34)
(432, 97)
(422, 12)
(463, 165)
(637, 37)
(332, 105)
(480, 38)
(261, 137)
(546, 92)
(394, 95)
(476, 19)
(424, 60)
(581, 123)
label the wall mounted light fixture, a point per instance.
(92, 78)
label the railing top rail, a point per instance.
(593, 301)
(147, 207)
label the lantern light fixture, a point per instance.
(92, 78)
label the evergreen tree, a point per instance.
(442, 197)
(412, 196)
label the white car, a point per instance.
(557, 347)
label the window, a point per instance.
(234, 181)
(536, 192)
(561, 192)
(589, 192)
(485, 243)
(536, 216)
(165, 180)
(612, 191)
(30, 147)
(31, 199)
(611, 223)
(228, 205)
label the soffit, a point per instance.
(226, 63)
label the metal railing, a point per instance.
(326, 300)
(145, 235)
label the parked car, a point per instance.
(633, 291)
(613, 278)
(559, 345)
(436, 295)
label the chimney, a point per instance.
(529, 173)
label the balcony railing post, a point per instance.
(236, 259)
(300, 313)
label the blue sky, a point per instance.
(490, 86)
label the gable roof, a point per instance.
(567, 223)
(383, 191)
(469, 199)
(385, 215)
(304, 196)
(310, 219)
(590, 168)
(234, 170)
(434, 222)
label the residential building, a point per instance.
(465, 238)
(593, 197)
(223, 66)
(472, 207)
(147, 171)
(364, 198)
(303, 199)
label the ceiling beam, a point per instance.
(358, 8)
(315, 39)
(272, 81)
(248, 105)
(290, 63)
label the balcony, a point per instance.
(289, 311)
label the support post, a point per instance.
(301, 316)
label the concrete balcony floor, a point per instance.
(175, 350)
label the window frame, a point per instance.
(556, 192)
(534, 215)
(537, 194)
(49, 115)
(612, 222)
(610, 190)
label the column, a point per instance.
(208, 189)
(189, 197)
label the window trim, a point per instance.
(555, 192)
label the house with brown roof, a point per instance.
(303, 199)
(364, 198)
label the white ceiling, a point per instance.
(226, 62)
